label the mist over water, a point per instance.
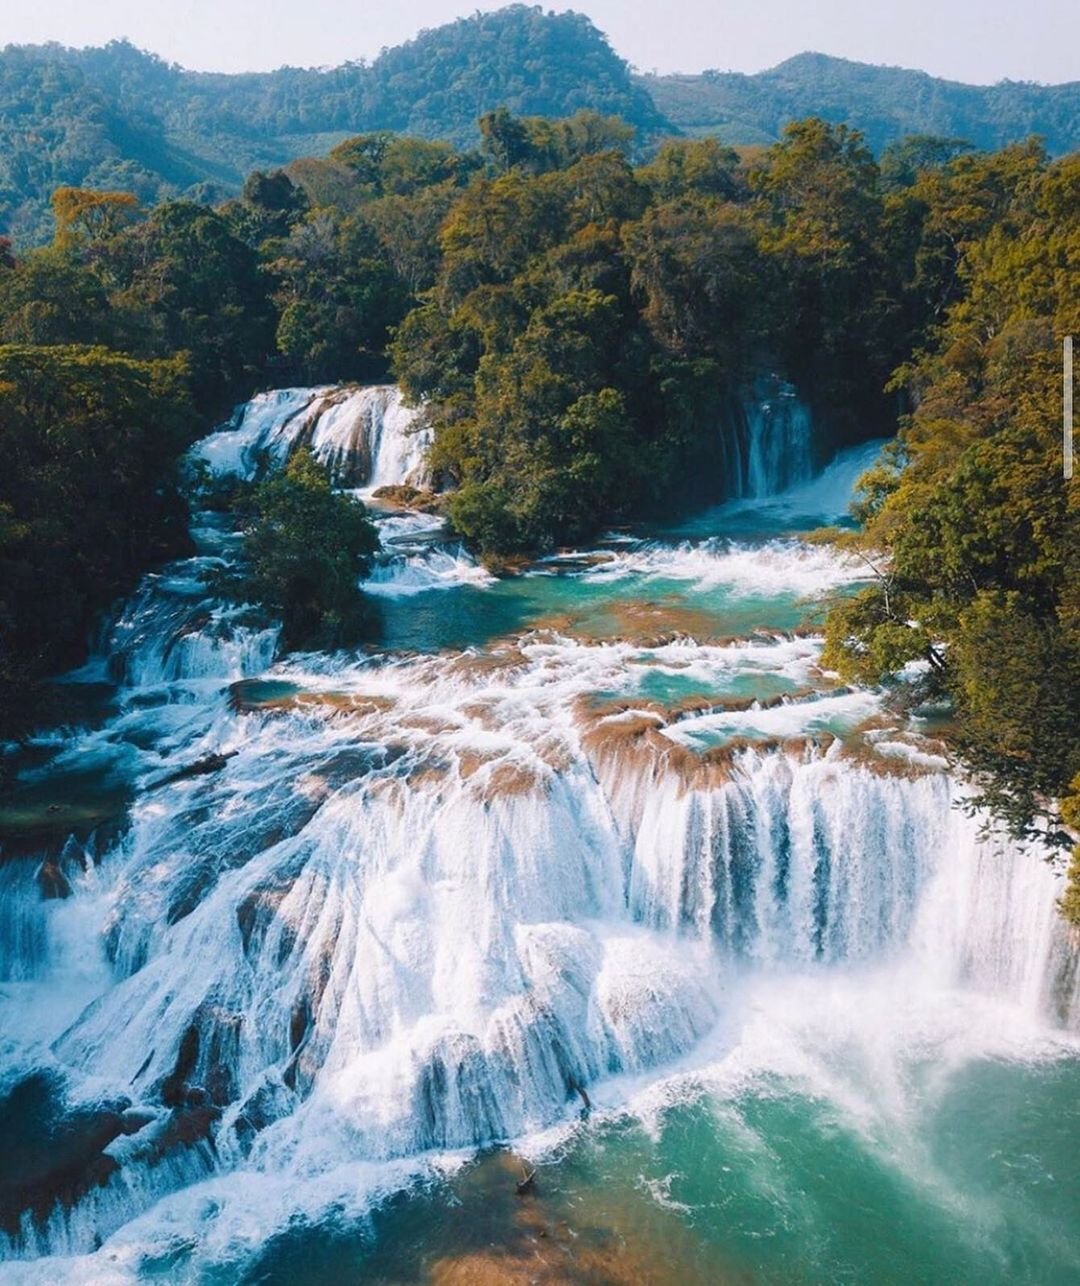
(593, 869)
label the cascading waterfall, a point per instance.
(172, 632)
(367, 437)
(378, 935)
(769, 446)
(422, 902)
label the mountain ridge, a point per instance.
(115, 116)
(885, 102)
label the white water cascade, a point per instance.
(367, 437)
(769, 445)
(420, 903)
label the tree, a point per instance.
(701, 166)
(305, 549)
(903, 161)
(338, 297)
(186, 283)
(820, 211)
(82, 214)
(975, 531)
(51, 296)
(696, 265)
(272, 204)
(505, 140)
(87, 497)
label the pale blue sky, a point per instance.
(975, 40)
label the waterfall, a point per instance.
(769, 447)
(368, 910)
(423, 903)
(367, 437)
(173, 632)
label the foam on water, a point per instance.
(831, 713)
(367, 437)
(448, 958)
(777, 567)
(267, 425)
(418, 909)
(417, 904)
(434, 568)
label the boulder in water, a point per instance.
(52, 881)
(136, 1119)
(404, 496)
(53, 1151)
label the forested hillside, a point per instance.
(119, 118)
(885, 103)
(969, 522)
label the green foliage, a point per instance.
(819, 198)
(1013, 674)
(551, 440)
(337, 298)
(52, 296)
(971, 525)
(115, 118)
(399, 165)
(700, 166)
(269, 206)
(1070, 815)
(884, 103)
(695, 262)
(904, 160)
(87, 497)
(305, 549)
(184, 282)
(85, 215)
(578, 331)
(873, 634)
(568, 281)
(538, 144)
(535, 63)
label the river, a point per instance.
(590, 874)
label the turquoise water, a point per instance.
(894, 1155)
(766, 1185)
(868, 1120)
(899, 1151)
(635, 608)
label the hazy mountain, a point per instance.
(884, 102)
(118, 117)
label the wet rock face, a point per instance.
(174, 1087)
(403, 496)
(52, 881)
(56, 1154)
(364, 436)
(52, 1152)
(203, 1075)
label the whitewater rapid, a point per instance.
(367, 437)
(427, 902)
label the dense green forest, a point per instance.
(577, 327)
(119, 118)
(969, 521)
(884, 103)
